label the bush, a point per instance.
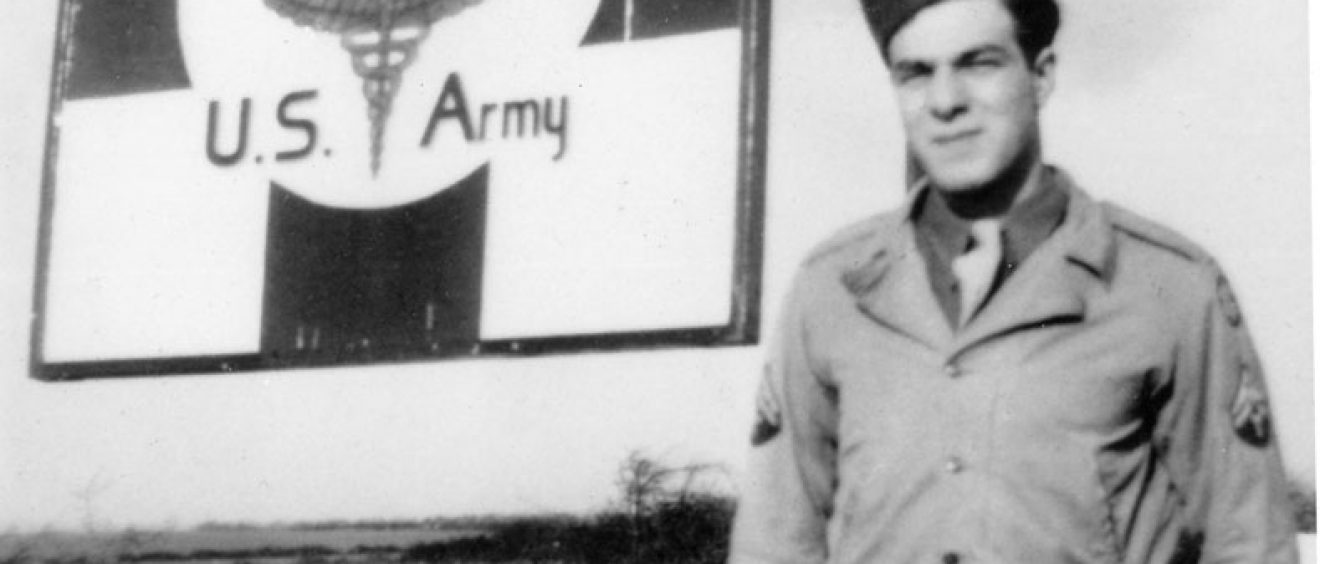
(1302, 499)
(694, 530)
(663, 516)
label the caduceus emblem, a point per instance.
(381, 36)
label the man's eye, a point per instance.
(910, 74)
(985, 63)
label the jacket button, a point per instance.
(951, 558)
(954, 465)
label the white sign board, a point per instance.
(253, 184)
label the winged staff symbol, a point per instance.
(381, 36)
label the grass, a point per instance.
(693, 531)
(655, 525)
(226, 545)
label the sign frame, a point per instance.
(742, 327)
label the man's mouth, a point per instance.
(955, 137)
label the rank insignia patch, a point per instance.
(769, 418)
(1228, 302)
(1251, 411)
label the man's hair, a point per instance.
(1036, 21)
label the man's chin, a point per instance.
(957, 183)
(956, 175)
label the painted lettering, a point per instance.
(520, 109)
(451, 105)
(486, 110)
(527, 118)
(558, 128)
(308, 127)
(212, 132)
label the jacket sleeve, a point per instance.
(1217, 439)
(787, 490)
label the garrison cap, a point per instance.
(1037, 20)
(886, 17)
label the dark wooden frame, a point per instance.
(743, 327)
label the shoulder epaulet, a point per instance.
(851, 237)
(1153, 233)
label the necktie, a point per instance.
(977, 267)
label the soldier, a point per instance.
(1004, 369)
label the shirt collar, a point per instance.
(1026, 226)
(1085, 238)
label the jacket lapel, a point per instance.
(892, 288)
(1053, 283)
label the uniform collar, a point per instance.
(891, 285)
(1086, 231)
(1025, 227)
(1084, 226)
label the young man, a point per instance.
(1005, 370)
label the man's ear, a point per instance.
(1043, 70)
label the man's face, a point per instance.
(968, 97)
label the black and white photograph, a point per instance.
(686, 281)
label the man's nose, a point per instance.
(946, 96)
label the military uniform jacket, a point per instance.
(1105, 406)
